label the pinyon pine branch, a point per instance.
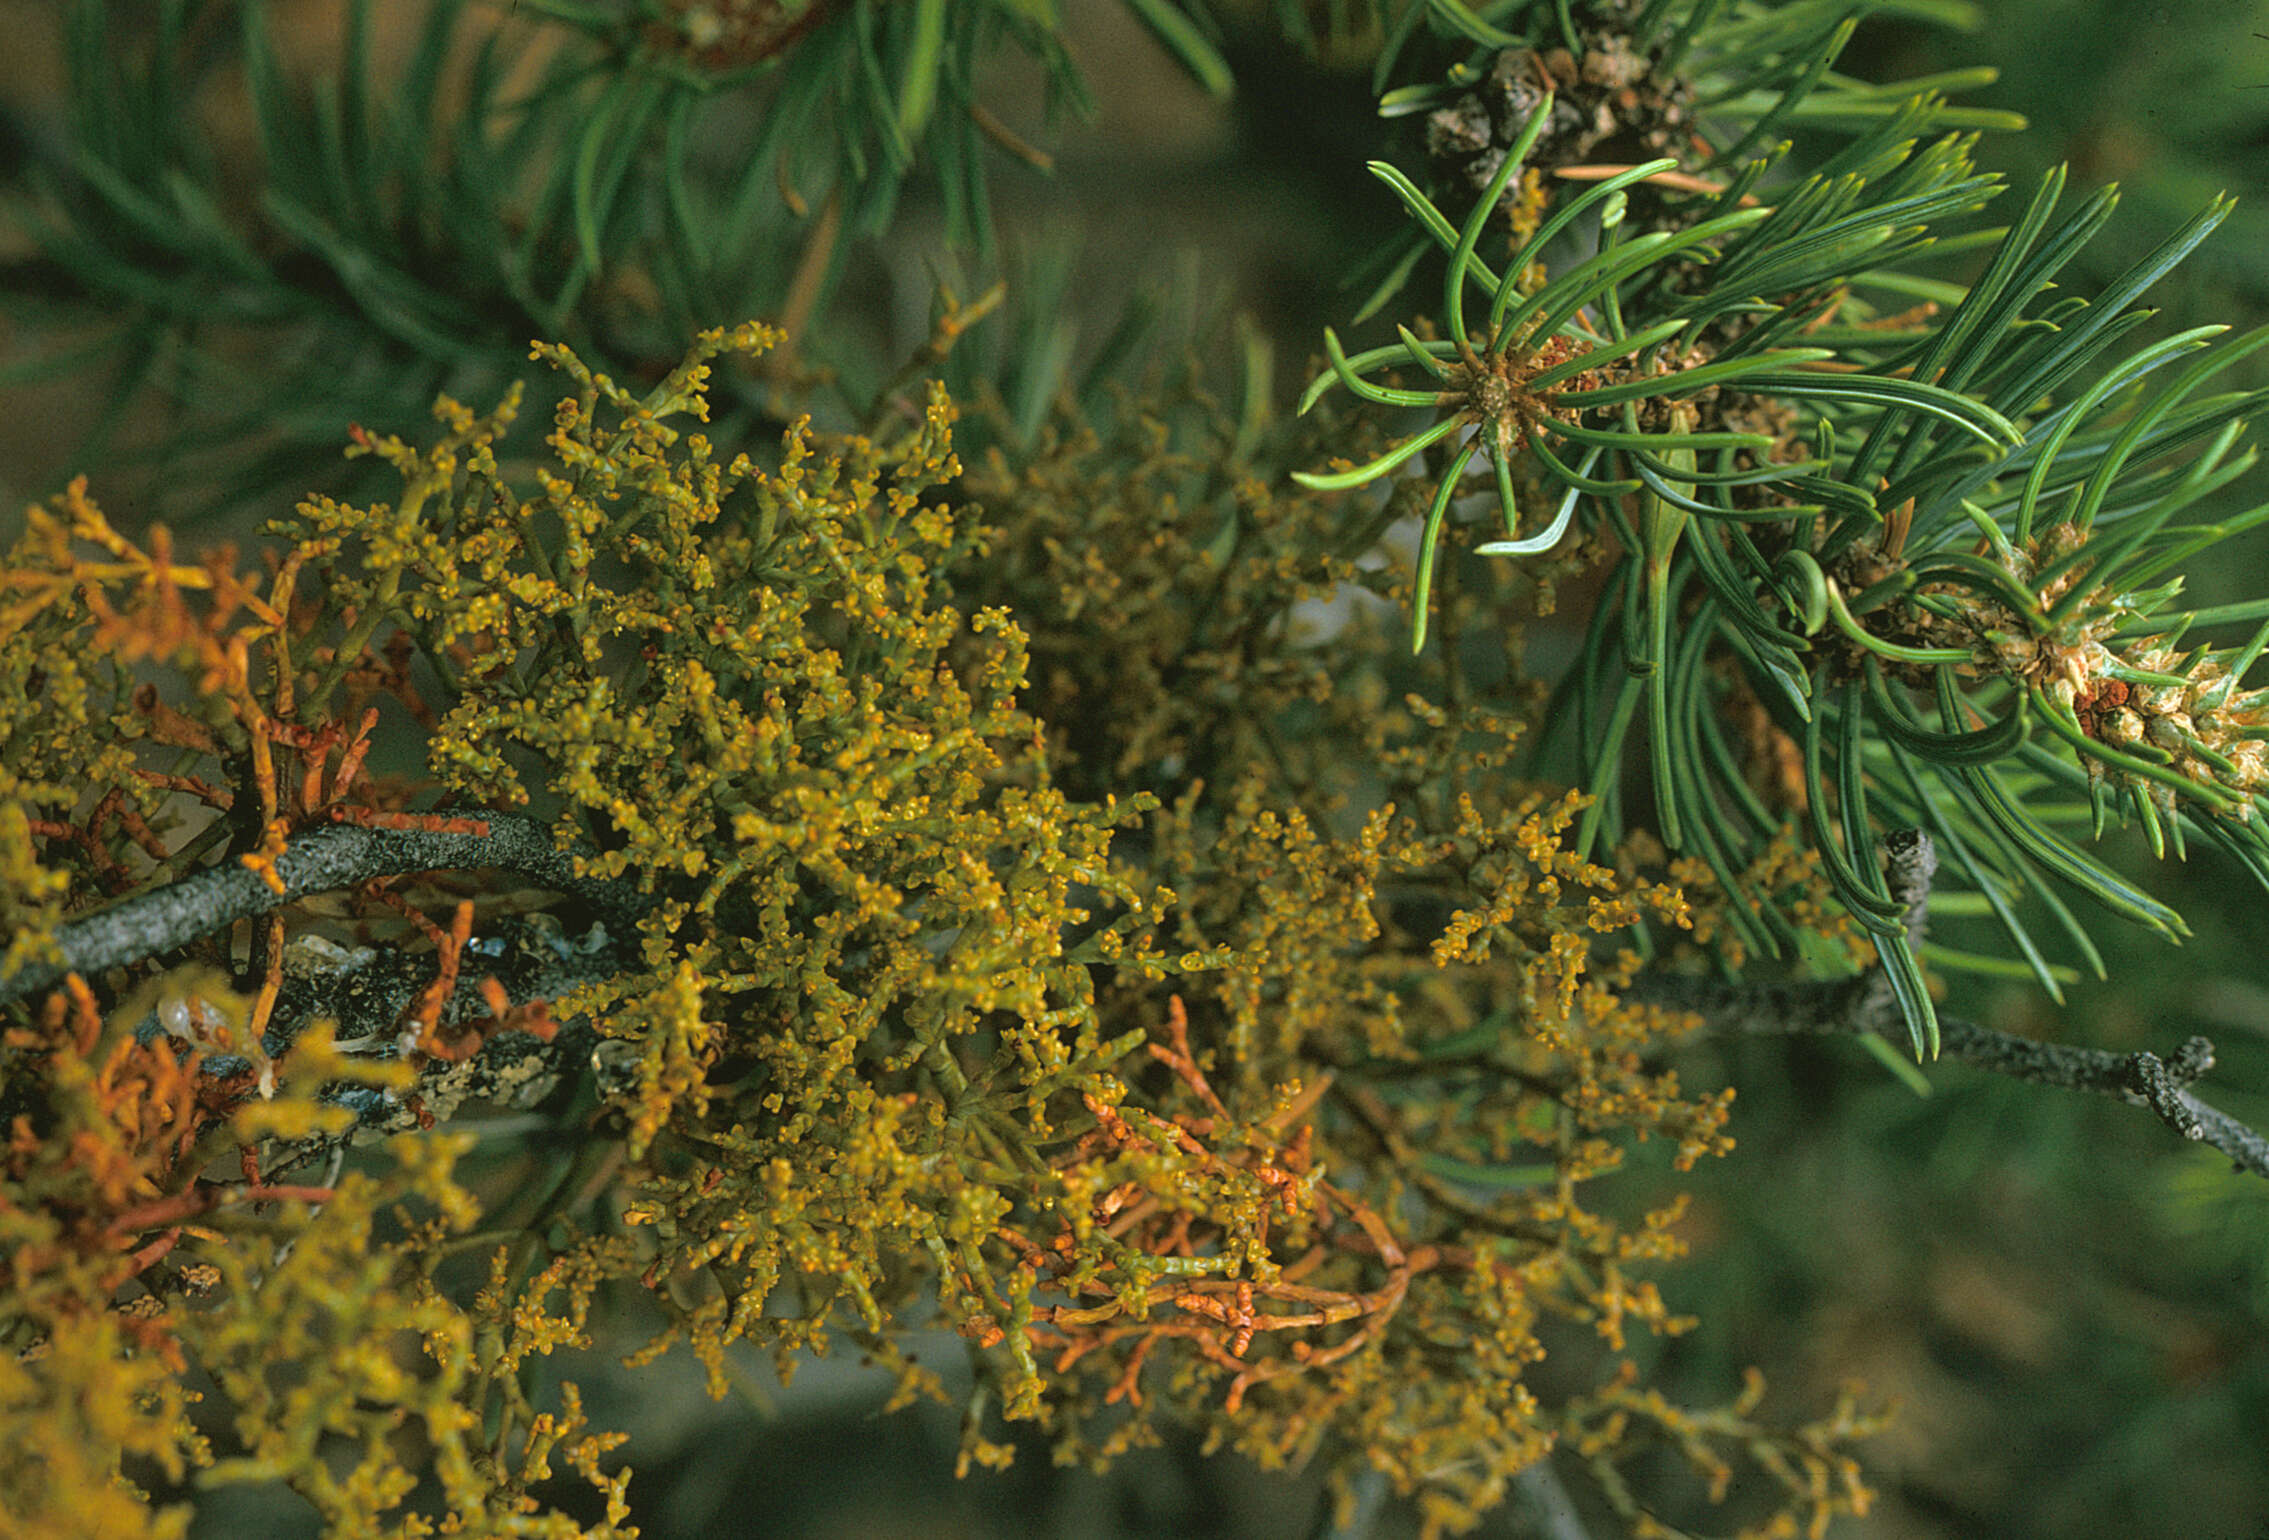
(317, 861)
(1866, 1003)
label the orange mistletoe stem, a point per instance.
(202, 1200)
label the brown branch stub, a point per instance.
(1910, 861)
(2150, 1079)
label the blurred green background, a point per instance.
(2072, 1310)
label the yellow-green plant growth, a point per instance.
(756, 827)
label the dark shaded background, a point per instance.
(2070, 1307)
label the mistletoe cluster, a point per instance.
(849, 1013)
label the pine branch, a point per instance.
(317, 861)
(1939, 548)
(366, 997)
(1866, 1003)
